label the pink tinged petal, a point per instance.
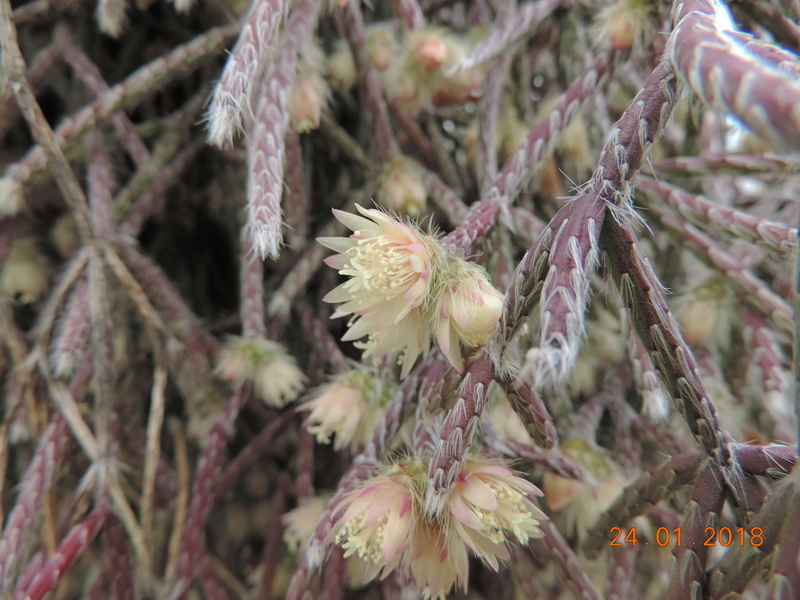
(353, 222)
(395, 535)
(338, 261)
(337, 244)
(460, 511)
(338, 294)
(479, 494)
(357, 330)
(416, 293)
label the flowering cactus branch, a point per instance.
(729, 77)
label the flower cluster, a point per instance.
(350, 407)
(405, 288)
(266, 364)
(384, 523)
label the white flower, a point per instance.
(350, 407)
(404, 288)
(273, 372)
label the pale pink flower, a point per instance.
(469, 311)
(266, 364)
(489, 502)
(390, 265)
(378, 521)
(349, 407)
(386, 525)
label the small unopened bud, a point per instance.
(704, 312)
(381, 47)
(65, 236)
(25, 272)
(11, 198)
(402, 190)
(306, 101)
(622, 24)
(342, 68)
(431, 52)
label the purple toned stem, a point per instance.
(737, 223)
(214, 589)
(655, 401)
(266, 151)
(204, 492)
(410, 13)
(532, 411)
(35, 74)
(735, 164)
(167, 176)
(321, 337)
(252, 453)
(730, 78)
(143, 82)
(298, 205)
(73, 333)
(754, 291)
(458, 432)
(552, 460)
(623, 574)
(672, 357)
(274, 544)
(742, 563)
(119, 561)
(371, 93)
(702, 511)
(36, 482)
(68, 552)
(568, 564)
(163, 294)
(247, 61)
(525, 22)
(251, 282)
(100, 183)
(574, 254)
(93, 79)
(774, 460)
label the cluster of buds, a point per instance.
(266, 364)
(425, 73)
(380, 47)
(383, 522)
(349, 407)
(404, 288)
